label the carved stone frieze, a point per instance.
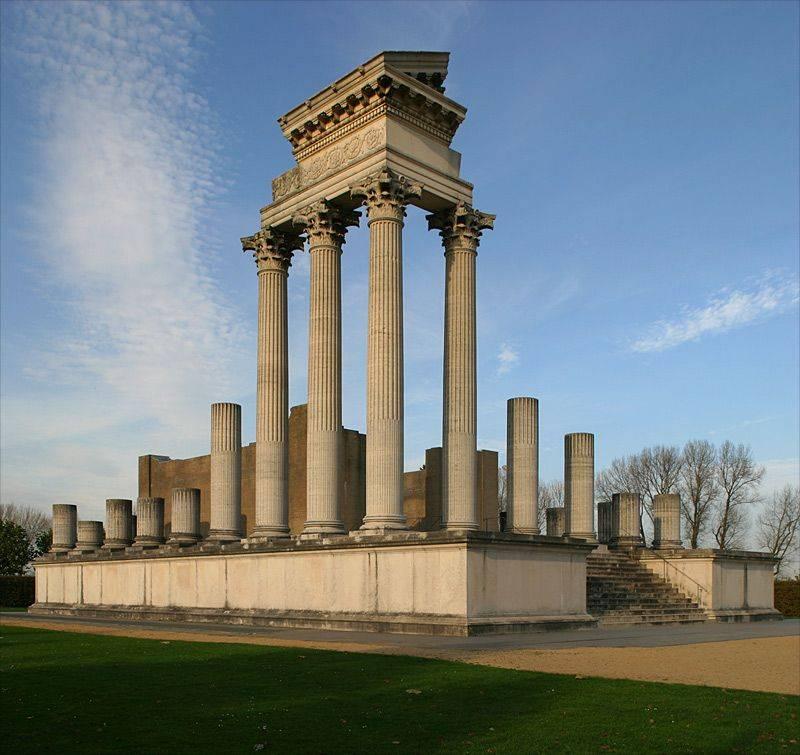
(328, 162)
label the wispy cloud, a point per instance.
(726, 310)
(144, 336)
(507, 359)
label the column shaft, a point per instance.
(667, 521)
(272, 251)
(149, 521)
(522, 451)
(65, 527)
(185, 516)
(119, 523)
(579, 485)
(555, 521)
(460, 229)
(626, 520)
(90, 536)
(226, 472)
(325, 226)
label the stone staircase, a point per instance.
(619, 590)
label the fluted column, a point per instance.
(325, 226)
(385, 196)
(604, 522)
(149, 522)
(522, 452)
(555, 521)
(65, 527)
(667, 521)
(226, 473)
(272, 251)
(119, 523)
(626, 520)
(579, 485)
(460, 229)
(185, 516)
(90, 536)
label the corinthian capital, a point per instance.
(386, 194)
(460, 226)
(325, 224)
(272, 249)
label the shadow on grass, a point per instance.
(78, 692)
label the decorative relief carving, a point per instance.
(272, 249)
(325, 224)
(460, 227)
(385, 194)
(327, 163)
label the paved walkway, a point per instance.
(762, 656)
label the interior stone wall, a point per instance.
(158, 475)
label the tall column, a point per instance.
(460, 228)
(119, 523)
(65, 527)
(385, 196)
(149, 522)
(626, 520)
(272, 251)
(325, 226)
(185, 516)
(579, 485)
(667, 521)
(555, 521)
(226, 473)
(522, 451)
(90, 536)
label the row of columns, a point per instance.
(619, 521)
(123, 529)
(385, 196)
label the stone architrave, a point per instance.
(149, 522)
(522, 450)
(90, 537)
(627, 519)
(325, 225)
(272, 251)
(604, 522)
(667, 521)
(119, 523)
(65, 527)
(579, 485)
(226, 473)
(460, 228)
(555, 521)
(385, 196)
(185, 516)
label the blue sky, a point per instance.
(641, 280)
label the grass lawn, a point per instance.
(64, 692)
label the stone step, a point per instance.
(631, 619)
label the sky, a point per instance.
(641, 280)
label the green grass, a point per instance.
(64, 692)
(14, 609)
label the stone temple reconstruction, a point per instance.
(319, 526)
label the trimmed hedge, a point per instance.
(17, 592)
(787, 596)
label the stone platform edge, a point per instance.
(327, 542)
(397, 624)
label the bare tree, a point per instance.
(551, 494)
(698, 488)
(502, 487)
(778, 524)
(34, 521)
(738, 478)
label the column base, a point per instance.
(526, 531)
(323, 528)
(589, 537)
(461, 526)
(115, 546)
(183, 538)
(666, 545)
(265, 534)
(147, 543)
(61, 548)
(79, 550)
(223, 536)
(626, 542)
(383, 523)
